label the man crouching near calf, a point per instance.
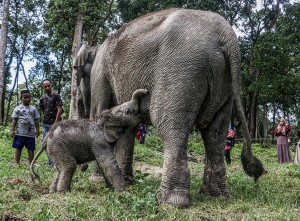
(73, 142)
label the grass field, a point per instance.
(275, 197)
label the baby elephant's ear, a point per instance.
(111, 133)
(105, 115)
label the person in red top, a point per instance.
(283, 149)
(141, 133)
(229, 145)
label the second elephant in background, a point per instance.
(83, 65)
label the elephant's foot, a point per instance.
(63, 189)
(214, 191)
(53, 187)
(52, 190)
(129, 179)
(214, 180)
(217, 188)
(119, 187)
(178, 198)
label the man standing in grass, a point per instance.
(51, 106)
(25, 126)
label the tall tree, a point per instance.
(75, 48)
(253, 23)
(3, 43)
(24, 27)
(88, 20)
(131, 9)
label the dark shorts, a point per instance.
(21, 141)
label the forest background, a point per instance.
(48, 34)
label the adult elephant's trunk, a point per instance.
(252, 166)
(135, 97)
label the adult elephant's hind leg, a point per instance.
(175, 185)
(214, 137)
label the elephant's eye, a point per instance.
(127, 111)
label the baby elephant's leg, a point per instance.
(67, 169)
(104, 154)
(53, 187)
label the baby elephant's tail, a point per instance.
(33, 174)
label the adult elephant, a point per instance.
(189, 61)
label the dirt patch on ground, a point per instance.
(17, 181)
(11, 218)
(147, 168)
(156, 171)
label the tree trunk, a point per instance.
(6, 75)
(75, 49)
(265, 123)
(3, 43)
(274, 119)
(24, 74)
(61, 70)
(11, 95)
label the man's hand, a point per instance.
(12, 133)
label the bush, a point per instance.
(154, 143)
(4, 132)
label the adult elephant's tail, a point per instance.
(33, 174)
(252, 166)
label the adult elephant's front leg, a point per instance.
(214, 137)
(175, 185)
(124, 149)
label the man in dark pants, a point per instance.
(51, 107)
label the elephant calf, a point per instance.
(73, 142)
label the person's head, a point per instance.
(25, 97)
(282, 122)
(47, 86)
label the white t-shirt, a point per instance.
(25, 116)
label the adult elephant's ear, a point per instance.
(80, 61)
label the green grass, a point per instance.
(275, 197)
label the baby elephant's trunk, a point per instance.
(135, 97)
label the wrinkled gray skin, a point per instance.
(73, 142)
(83, 65)
(189, 60)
